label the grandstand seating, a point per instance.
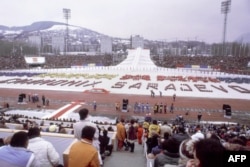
(61, 142)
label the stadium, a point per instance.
(221, 97)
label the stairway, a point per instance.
(126, 158)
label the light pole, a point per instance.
(66, 15)
(225, 9)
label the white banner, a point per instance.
(35, 60)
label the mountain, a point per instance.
(41, 26)
(37, 26)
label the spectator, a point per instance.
(152, 142)
(53, 128)
(153, 136)
(45, 153)
(131, 135)
(236, 144)
(2, 142)
(17, 154)
(186, 151)
(181, 134)
(83, 153)
(139, 133)
(3, 125)
(146, 122)
(62, 129)
(154, 128)
(198, 134)
(84, 121)
(105, 143)
(7, 140)
(165, 128)
(207, 153)
(120, 134)
(94, 105)
(157, 149)
(110, 128)
(169, 155)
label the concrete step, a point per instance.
(126, 158)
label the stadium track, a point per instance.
(106, 104)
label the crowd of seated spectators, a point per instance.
(12, 62)
(231, 64)
(48, 124)
(66, 61)
(60, 61)
(175, 144)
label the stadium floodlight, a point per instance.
(225, 9)
(66, 15)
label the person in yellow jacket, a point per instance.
(83, 153)
(153, 128)
(120, 134)
(145, 125)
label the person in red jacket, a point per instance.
(139, 133)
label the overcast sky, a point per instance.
(152, 19)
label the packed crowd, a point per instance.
(231, 64)
(62, 61)
(182, 144)
(53, 125)
(12, 62)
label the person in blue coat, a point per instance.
(16, 153)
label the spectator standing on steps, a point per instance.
(85, 121)
(131, 138)
(139, 133)
(120, 134)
